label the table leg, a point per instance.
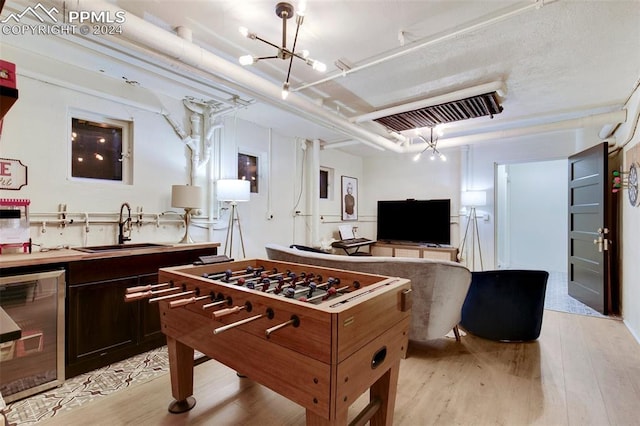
(314, 419)
(181, 372)
(384, 389)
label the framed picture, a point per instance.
(349, 198)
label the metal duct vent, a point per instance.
(475, 106)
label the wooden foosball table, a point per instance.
(320, 337)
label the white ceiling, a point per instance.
(558, 59)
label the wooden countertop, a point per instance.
(12, 260)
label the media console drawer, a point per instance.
(414, 251)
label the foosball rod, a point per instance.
(141, 288)
(190, 300)
(170, 296)
(213, 304)
(237, 323)
(145, 294)
(294, 321)
(230, 273)
(327, 294)
(229, 311)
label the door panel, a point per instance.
(591, 229)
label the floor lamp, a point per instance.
(473, 199)
(233, 191)
(189, 198)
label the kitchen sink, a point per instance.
(117, 247)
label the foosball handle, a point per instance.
(177, 407)
(228, 311)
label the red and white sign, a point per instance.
(13, 174)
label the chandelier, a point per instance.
(432, 144)
(284, 11)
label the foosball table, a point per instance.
(320, 337)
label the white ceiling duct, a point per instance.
(494, 86)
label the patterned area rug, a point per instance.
(88, 387)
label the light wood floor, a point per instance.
(582, 371)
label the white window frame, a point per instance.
(127, 146)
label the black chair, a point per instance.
(505, 305)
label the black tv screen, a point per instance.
(417, 221)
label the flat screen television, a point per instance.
(416, 221)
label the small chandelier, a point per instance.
(431, 145)
(284, 11)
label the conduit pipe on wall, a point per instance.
(269, 174)
(315, 193)
(158, 39)
(626, 133)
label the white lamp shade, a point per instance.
(473, 198)
(186, 196)
(233, 190)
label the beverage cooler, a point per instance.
(32, 333)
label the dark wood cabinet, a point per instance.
(102, 328)
(149, 315)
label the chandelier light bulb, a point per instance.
(246, 60)
(302, 7)
(433, 157)
(244, 31)
(417, 156)
(443, 157)
(305, 53)
(285, 91)
(319, 66)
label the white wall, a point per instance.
(527, 148)
(536, 210)
(398, 177)
(267, 216)
(629, 136)
(331, 209)
(37, 132)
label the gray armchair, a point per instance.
(438, 287)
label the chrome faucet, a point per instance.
(124, 225)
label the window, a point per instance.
(99, 149)
(324, 184)
(326, 187)
(248, 170)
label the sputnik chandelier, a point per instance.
(284, 11)
(432, 144)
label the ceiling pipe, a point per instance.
(443, 36)
(494, 86)
(157, 39)
(145, 36)
(617, 117)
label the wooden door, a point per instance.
(592, 230)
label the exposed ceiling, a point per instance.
(558, 60)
